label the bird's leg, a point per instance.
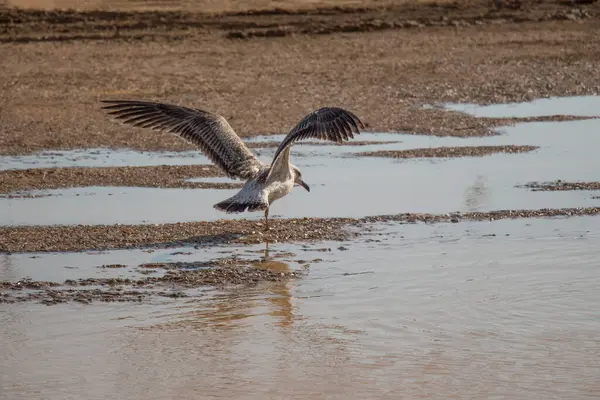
(267, 219)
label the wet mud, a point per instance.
(293, 19)
(263, 145)
(144, 281)
(173, 284)
(160, 176)
(560, 185)
(448, 152)
(516, 54)
(224, 232)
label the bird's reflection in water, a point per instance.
(7, 268)
(280, 296)
(235, 305)
(477, 194)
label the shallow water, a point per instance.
(346, 186)
(101, 157)
(584, 106)
(98, 158)
(507, 309)
(59, 266)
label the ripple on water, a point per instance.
(431, 310)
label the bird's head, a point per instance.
(298, 178)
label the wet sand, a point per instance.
(560, 185)
(221, 232)
(383, 62)
(160, 176)
(448, 152)
(170, 285)
(262, 145)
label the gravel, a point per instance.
(446, 152)
(12, 182)
(222, 232)
(560, 185)
(384, 61)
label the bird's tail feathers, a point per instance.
(237, 205)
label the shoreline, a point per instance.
(265, 85)
(61, 238)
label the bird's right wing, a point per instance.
(210, 132)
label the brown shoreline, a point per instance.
(14, 182)
(382, 62)
(223, 232)
(255, 20)
(559, 185)
(448, 152)
(172, 284)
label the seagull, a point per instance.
(218, 141)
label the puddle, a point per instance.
(346, 186)
(100, 158)
(502, 309)
(583, 106)
(122, 158)
(110, 205)
(60, 266)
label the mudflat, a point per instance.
(264, 67)
(453, 255)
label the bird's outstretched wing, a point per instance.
(327, 123)
(209, 131)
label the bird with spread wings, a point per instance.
(218, 141)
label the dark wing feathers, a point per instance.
(327, 123)
(210, 132)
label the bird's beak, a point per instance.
(304, 185)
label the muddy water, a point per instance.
(507, 309)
